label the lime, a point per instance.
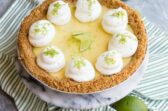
(130, 103)
(85, 40)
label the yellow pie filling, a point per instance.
(71, 47)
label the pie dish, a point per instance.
(74, 21)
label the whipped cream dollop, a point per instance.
(80, 70)
(59, 13)
(51, 59)
(41, 33)
(109, 63)
(87, 10)
(115, 21)
(125, 43)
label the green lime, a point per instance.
(85, 40)
(85, 45)
(130, 103)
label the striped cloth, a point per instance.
(155, 82)
(25, 100)
(153, 89)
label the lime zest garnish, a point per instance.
(50, 52)
(57, 6)
(84, 38)
(36, 29)
(42, 29)
(122, 38)
(79, 62)
(91, 2)
(118, 14)
(109, 59)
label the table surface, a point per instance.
(155, 10)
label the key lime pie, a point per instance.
(82, 46)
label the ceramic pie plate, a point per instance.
(138, 28)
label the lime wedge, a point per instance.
(86, 44)
(130, 103)
(85, 40)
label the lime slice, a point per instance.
(85, 40)
(130, 103)
(86, 44)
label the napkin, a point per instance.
(153, 89)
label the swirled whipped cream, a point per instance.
(115, 21)
(109, 63)
(125, 43)
(59, 13)
(87, 10)
(51, 59)
(80, 70)
(41, 33)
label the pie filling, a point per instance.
(86, 39)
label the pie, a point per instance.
(82, 46)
